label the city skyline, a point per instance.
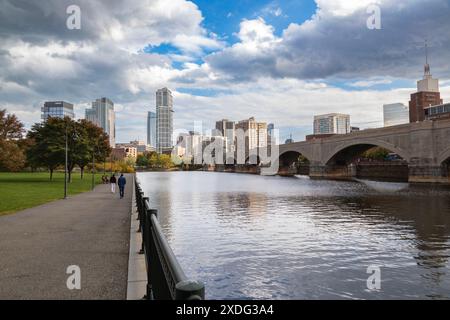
(196, 61)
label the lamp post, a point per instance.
(93, 167)
(65, 167)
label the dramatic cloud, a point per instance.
(336, 42)
(330, 63)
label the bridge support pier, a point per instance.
(428, 174)
(319, 171)
(287, 171)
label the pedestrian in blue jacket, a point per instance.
(122, 182)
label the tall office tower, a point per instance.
(57, 109)
(427, 94)
(262, 134)
(395, 114)
(333, 123)
(151, 129)
(271, 134)
(103, 115)
(164, 120)
(256, 134)
(227, 129)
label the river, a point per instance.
(255, 237)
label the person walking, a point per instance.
(113, 183)
(122, 182)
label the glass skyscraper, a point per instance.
(333, 123)
(395, 114)
(102, 114)
(164, 120)
(57, 109)
(151, 129)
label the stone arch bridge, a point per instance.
(424, 146)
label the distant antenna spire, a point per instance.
(427, 72)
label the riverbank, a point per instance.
(26, 190)
(89, 231)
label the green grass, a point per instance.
(19, 191)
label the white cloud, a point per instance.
(283, 79)
(343, 7)
(369, 83)
(336, 42)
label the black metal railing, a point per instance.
(165, 277)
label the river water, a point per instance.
(255, 237)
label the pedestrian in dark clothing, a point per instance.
(122, 182)
(113, 183)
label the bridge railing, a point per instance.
(166, 279)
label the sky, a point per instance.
(280, 61)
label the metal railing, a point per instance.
(165, 277)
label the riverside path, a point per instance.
(89, 230)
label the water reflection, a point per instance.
(250, 237)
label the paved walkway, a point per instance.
(90, 230)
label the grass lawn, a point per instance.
(19, 191)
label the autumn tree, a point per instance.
(12, 157)
(93, 144)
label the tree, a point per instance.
(142, 160)
(85, 141)
(93, 142)
(12, 157)
(376, 153)
(48, 145)
(10, 127)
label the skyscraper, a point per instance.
(151, 129)
(227, 129)
(57, 109)
(102, 114)
(271, 134)
(395, 114)
(333, 123)
(164, 120)
(427, 94)
(255, 134)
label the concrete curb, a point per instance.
(137, 274)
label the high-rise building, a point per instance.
(255, 134)
(191, 145)
(103, 115)
(427, 95)
(262, 134)
(271, 137)
(151, 129)
(164, 120)
(227, 129)
(57, 109)
(333, 123)
(395, 114)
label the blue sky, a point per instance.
(224, 17)
(281, 61)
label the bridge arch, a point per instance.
(253, 160)
(292, 162)
(360, 146)
(444, 157)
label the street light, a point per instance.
(93, 168)
(65, 167)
